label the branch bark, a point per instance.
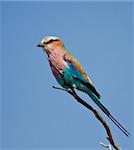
(97, 115)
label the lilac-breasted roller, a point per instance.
(70, 74)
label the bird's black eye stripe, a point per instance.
(50, 41)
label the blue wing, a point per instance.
(76, 76)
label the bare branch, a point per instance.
(97, 115)
(106, 146)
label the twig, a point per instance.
(106, 146)
(97, 115)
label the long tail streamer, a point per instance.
(105, 110)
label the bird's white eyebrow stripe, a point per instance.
(49, 39)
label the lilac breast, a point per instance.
(57, 60)
(57, 63)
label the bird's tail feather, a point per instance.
(104, 109)
(119, 125)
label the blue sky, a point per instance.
(99, 35)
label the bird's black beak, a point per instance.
(40, 45)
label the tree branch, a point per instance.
(97, 115)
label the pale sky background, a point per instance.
(34, 115)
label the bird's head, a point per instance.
(50, 43)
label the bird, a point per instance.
(70, 74)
